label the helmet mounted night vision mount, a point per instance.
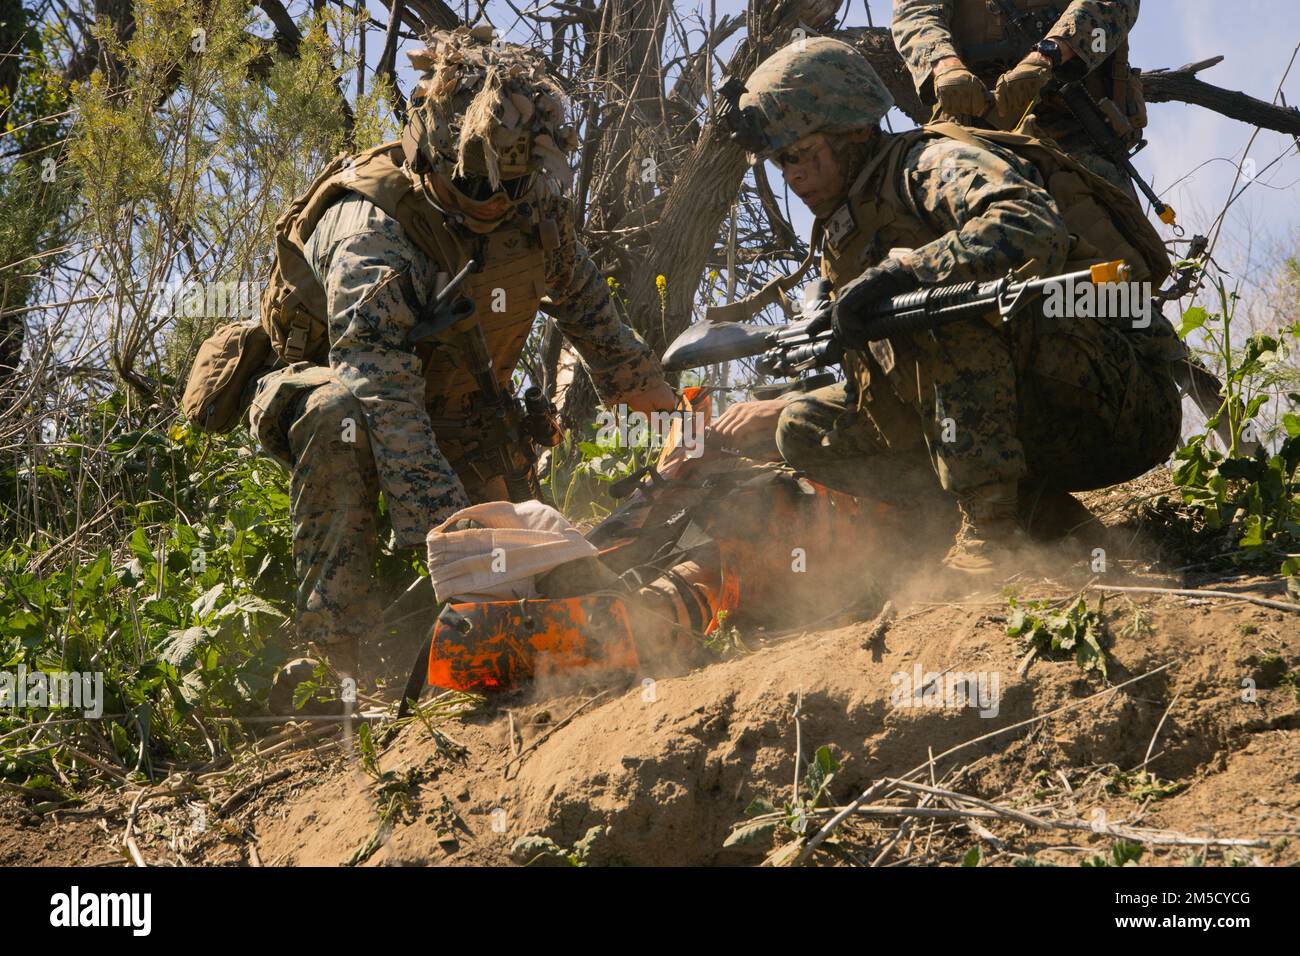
(744, 126)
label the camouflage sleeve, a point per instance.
(990, 207)
(370, 273)
(923, 37)
(617, 360)
(1094, 29)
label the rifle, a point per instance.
(810, 342)
(1088, 113)
(788, 350)
(500, 424)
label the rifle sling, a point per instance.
(774, 293)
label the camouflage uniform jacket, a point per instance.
(377, 283)
(964, 214)
(949, 212)
(955, 212)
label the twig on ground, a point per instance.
(1165, 716)
(237, 799)
(880, 627)
(798, 749)
(881, 785)
(1196, 592)
(505, 772)
(1144, 835)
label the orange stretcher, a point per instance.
(698, 541)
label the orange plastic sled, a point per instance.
(496, 645)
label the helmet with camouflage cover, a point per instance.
(488, 118)
(812, 85)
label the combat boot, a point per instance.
(1049, 514)
(991, 541)
(338, 688)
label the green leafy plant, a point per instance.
(1045, 629)
(543, 851)
(791, 823)
(1245, 509)
(726, 639)
(180, 612)
(1122, 853)
(580, 470)
(393, 793)
(1141, 785)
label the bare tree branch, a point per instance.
(1184, 86)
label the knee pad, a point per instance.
(797, 438)
(334, 414)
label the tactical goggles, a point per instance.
(472, 193)
(481, 214)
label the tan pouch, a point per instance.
(226, 362)
(1136, 102)
(1095, 235)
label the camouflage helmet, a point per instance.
(811, 85)
(487, 109)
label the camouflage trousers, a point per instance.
(313, 425)
(1053, 404)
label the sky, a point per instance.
(1192, 154)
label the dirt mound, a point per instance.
(1193, 734)
(667, 766)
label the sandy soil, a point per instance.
(666, 765)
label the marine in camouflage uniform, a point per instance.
(1038, 405)
(966, 62)
(360, 425)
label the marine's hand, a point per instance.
(1017, 89)
(852, 303)
(959, 91)
(748, 423)
(657, 398)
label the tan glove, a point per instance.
(1017, 89)
(960, 92)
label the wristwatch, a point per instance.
(1050, 49)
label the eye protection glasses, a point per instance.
(801, 152)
